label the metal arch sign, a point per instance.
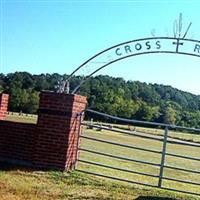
(142, 46)
(158, 45)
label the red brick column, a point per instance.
(58, 126)
(3, 105)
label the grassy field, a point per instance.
(22, 184)
(27, 184)
(26, 118)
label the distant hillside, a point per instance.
(114, 96)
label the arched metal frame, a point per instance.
(176, 43)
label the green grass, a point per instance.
(25, 118)
(20, 183)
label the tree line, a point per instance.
(115, 96)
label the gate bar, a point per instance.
(182, 169)
(124, 132)
(122, 145)
(115, 178)
(119, 157)
(144, 122)
(186, 143)
(181, 181)
(117, 168)
(184, 157)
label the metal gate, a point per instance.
(161, 155)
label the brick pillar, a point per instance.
(58, 126)
(3, 105)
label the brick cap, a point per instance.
(72, 97)
(4, 95)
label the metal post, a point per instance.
(78, 139)
(163, 157)
(67, 87)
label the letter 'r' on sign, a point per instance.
(197, 48)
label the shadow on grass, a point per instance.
(24, 166)
(12, 166)
(5, 166)
(153, 198)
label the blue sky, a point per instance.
(58, 36)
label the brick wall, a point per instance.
(52, 142)
(17, 141)
(3, 105)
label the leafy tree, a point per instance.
(115, 96)
(31, 105)
(170, 115)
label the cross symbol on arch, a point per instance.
(178, 43)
